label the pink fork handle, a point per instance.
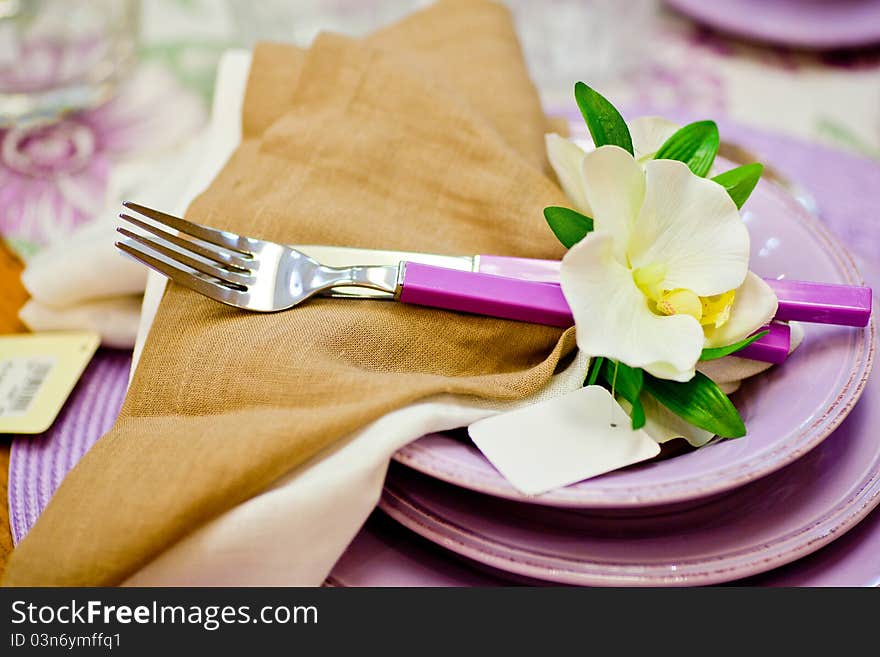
(817, 303)
(485, 294)
(529, 301)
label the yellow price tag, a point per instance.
(37, 373)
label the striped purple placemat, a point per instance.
(37, 464)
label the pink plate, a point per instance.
(813, 24)
(788, 411)
(764, 525)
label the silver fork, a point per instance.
(240, 271)
(264, 276)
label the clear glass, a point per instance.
(58, 56)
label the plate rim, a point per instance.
(758, 466)
(699, 571)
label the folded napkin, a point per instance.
(426, 136)
(115, 319)
(83, 266)
(81, 282)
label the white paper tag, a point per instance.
(558, 442)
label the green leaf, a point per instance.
(627, 382)
(696, 144)
(605, 123)
(698, 401)
(595, 369)
(569, 226)
(740, 182)
(721, 352)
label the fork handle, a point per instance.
(484, 294)
(529, 301)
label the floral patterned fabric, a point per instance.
(56, 176)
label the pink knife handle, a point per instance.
(529, 301)
(817, 303)
(485, 294)
(822, 303)
(531, 269)
(772, 348)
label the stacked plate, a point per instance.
(807, 24)
(807, 472)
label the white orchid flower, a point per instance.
(567, 158)
(668, 252)
(713, 238)
(665, 272)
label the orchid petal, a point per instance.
(666, 370)
(797, 335)
(754, 305)
(648, 134)
(567, 160)
(731, 368)
(615, 185)
(613, 318)
(690, 225)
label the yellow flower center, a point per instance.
(680, 302)
(709, 311)
(649, 279)
(716, 309)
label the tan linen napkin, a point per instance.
(380, 145)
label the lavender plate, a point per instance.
(813, 24)
(764, 525)
(788, 411)
(387, 554)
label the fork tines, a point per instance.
(215, 263)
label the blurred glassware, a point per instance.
(299, 22)
(597, 41)
(58, 56)
(563, 40)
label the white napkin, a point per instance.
(115, 319)
(81, 282)
(83, 266)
